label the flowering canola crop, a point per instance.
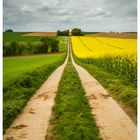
(85, 47)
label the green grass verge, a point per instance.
(16, 95)
(72, 118)
(14, 66)
(120, 89)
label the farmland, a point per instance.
(40, 34)
(24, 84)
(125, 35)
(14, 66)
(115, 55)
(17, 36)
(113, 62)
(19, 72)
(86, 47)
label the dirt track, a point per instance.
(33, 122)
(112, 121)
(40, 34)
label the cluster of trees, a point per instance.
(77, 32)
(9, 30)
(63, 33)
(74, 32)
(20, 48)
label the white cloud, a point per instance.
(28, 9)
(97, 12)
(65, 12)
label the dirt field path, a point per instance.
(113, 122)
(33, 122)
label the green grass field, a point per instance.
(16, 36)
(14, 66)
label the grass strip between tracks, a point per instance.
(71, 117)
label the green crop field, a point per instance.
(14, 66)
(16, 36)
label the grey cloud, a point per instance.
(97, 12)
(50, 15)
(124, 8)
(28, 9)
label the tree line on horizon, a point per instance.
(74, 32)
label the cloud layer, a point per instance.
(50, 15)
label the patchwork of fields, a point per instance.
(112, 61)
(14, 66)
(18, 36)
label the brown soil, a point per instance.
(40, 34)
(112, 121)
(115, 35)
(33, 122)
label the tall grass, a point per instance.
(124, 67)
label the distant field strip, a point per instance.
(120, 43)
(84, 47)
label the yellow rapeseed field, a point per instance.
(84, 47)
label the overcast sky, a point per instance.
(89, 15)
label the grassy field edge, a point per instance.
(71, 117)
(17, 94)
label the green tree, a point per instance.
(76, 32)
(58, 33)
(63, 33)
(55, 46)
(47, 42)
(14, 48)
(9, 30)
